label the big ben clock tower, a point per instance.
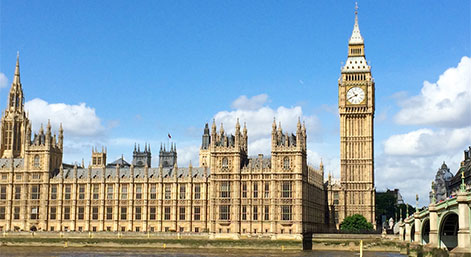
(356, 108)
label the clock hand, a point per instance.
(352, 97)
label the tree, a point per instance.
(356, 224)
(385, 205)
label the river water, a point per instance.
(103, 251)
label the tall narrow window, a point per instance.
(255, 190)
(109, 213)
(53, 192)
(167, 213)
(267, 212)
(225, 163)
(81, 192)
(124, 213)
(36, 163)
(67, 213)
(267, 190)
(109, 192)
(34, 213)
(81, 213)
(286, 189)
(94, 213)
(152, 213)
(3, 192)
(225, 189)
(182, 192)
(96, 192)
(197, 213)
(8, 132)
(124, 192)
(286, 163)
(255, 212)
(35, 192)
(139, 192)
(244, 212)
(197, 191)
(67, 191)
(138, 213)
(244, 189)
(52, 214)
(153, 191)
(2, 212)
(182, 213)
(168, 192)
(16, 213)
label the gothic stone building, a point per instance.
(229, 194)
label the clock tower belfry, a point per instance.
(356, 109)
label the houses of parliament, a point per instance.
(227, 194)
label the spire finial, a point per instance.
(16, 78)
(356, 37)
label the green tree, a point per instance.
(356, 224)
(385, 205)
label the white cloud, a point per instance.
(253, 103)
(259, 122)
(410, 160)
(3, 80)
(426, 142)
(412, 175)
(188, 153)
(77, 120)
(446, 103)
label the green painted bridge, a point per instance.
(446, 224)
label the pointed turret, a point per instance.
(221, 129)
(205, 138)
(61, 137)
(16, 91)
(356, 37)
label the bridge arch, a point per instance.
(448, 230)
(425, 231)
(412, 232)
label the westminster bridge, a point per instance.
(446, 224)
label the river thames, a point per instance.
(104, 251)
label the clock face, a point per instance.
(355, 95)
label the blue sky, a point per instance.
(144, 70)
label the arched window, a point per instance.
(36, 161)
(225, 162)
(286, 163)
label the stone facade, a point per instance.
(229, 194)
(354, 193)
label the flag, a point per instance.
(169, 136)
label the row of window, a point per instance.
(225, 191)
(66, 215)
(286, 189)
(224, 213)
(35, 192)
